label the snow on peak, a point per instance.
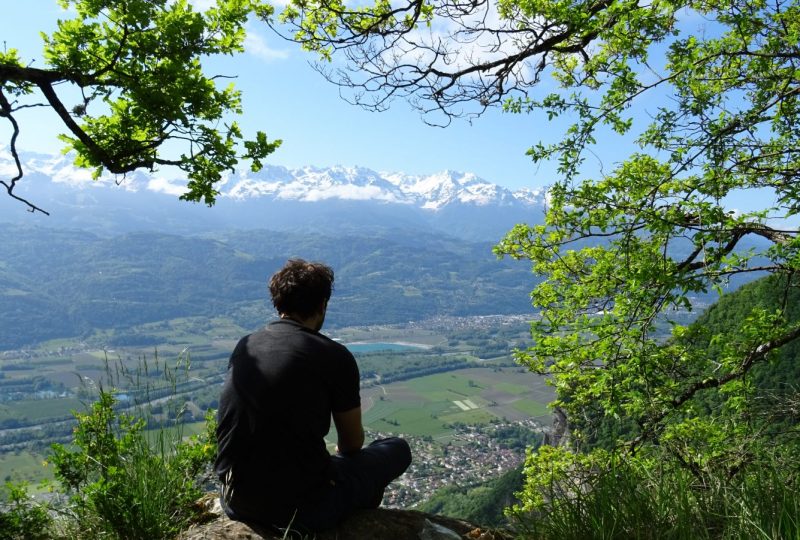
(532, 196)
(311, 184)
(448, 187)
(307, 184)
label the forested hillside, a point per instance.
(64, 283)
(483, 504)
(774, 383)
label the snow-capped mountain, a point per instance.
(432, 192)
(311, 184)
(449, 187)
(459, 204)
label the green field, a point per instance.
(39, 409)
(531, 407)
(24, 466)
(423, 406)
(430, 405)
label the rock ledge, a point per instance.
(381, 523)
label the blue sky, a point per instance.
(286, 98)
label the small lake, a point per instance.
(375, 347)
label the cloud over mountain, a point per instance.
(460, 204)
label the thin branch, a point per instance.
(650, 425)
(6, 112)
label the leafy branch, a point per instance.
(137, 67)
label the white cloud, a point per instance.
(63, 172)
(256, 45)
(163, 185)
(347, 192)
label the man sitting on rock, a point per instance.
(284, 383)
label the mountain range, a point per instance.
(405, 248)
(333, 199)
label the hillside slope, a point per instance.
(60, 283)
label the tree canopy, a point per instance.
(706, 94)
(127, 82)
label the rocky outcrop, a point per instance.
(378, 524)
(561, 433)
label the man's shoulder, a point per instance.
(338, 346)
(281, 329)
(329, 343)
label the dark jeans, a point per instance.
(360, 480)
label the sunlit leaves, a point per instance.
(138, 65)
(624, 253)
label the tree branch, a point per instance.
(6, 112)
(649, 425)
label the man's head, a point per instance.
(301, 289)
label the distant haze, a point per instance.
(305, 199)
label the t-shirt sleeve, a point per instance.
(346, 392)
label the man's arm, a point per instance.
(349, 430)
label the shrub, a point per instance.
(21, 518)
(649, 498)
(125, 482)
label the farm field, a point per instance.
(438, 385)
(430, 405)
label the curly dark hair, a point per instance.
(300, 287)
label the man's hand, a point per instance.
(349, 430)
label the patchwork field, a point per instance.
(435, 388)
(430, 405)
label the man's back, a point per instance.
(275, 410)
(284, 385)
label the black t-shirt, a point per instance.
(283, 383)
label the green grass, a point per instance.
(640, 501)
(444, 387)
(410, 423)
(380, 410)
(511, 388)
(531, 407)
(24, 466)
(411, 418)
(173, 432)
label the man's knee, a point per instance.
(400, 451)
(405, 452)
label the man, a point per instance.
(283, 385)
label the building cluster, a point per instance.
(450, 323)
(472, 456)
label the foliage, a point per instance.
(144, 100)
(482, 504)
(126, 482)
(622, 251)
(645, 498)
(23, 519)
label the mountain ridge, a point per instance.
(308, 183)
(64, 282)
(306, 198)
